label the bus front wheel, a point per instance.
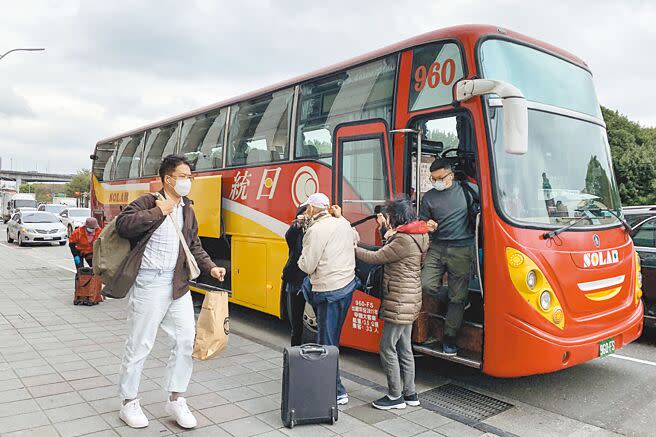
(309, 325)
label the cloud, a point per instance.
(114, 66)
(12, 104)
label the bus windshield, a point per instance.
(25, 203)
(567, 172)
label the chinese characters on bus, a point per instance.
(365, 316)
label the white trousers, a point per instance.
(151, 306)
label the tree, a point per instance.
(633, 149)
(80, 183)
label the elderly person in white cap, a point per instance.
(328, 257)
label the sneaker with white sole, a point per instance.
(132, 414)
(412, 400)
(342, 399)
(181, 413)
(387, 403)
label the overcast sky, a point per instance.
(110, 66)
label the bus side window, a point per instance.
(202, 140)
(360, 93)
(363, 184)
(160, 142)
(260, 127)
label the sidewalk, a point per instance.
(59, 365)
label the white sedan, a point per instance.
(35, 227)
(73, 218)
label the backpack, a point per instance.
(109, 251)
(473, 205)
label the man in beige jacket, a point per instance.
(328, 258)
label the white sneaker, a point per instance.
(180, 412)
(132, 414)
(342, 399)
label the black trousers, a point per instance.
(295, 309)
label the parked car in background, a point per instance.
(51, 207)
(643, 221)
(73, 218)
(35, 227)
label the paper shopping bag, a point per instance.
(213, 326)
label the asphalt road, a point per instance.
(617, 393)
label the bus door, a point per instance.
(361, 185)
(447, 135)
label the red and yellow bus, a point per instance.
(557, 279)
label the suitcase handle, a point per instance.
(313, 351)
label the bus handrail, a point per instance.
(478, 258)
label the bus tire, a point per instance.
(310, 332)
(309, 335)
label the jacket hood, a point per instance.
(416, 227)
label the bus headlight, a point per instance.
(557, 315)
(531, 279)
(528, 279)
(545, 300)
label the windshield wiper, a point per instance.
(590, 208)
(626, 225)
(555, 233)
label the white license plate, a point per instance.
(47, 238)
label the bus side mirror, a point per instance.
(515, 111)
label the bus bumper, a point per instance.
(529, 351)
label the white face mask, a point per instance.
(182, 187)
(439, 185)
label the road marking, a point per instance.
(635, 360)
(65, 268)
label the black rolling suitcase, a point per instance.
(309, 391)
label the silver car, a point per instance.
(73, 218)
(36, 227)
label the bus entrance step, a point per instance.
(466, 357)
(462, 404)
